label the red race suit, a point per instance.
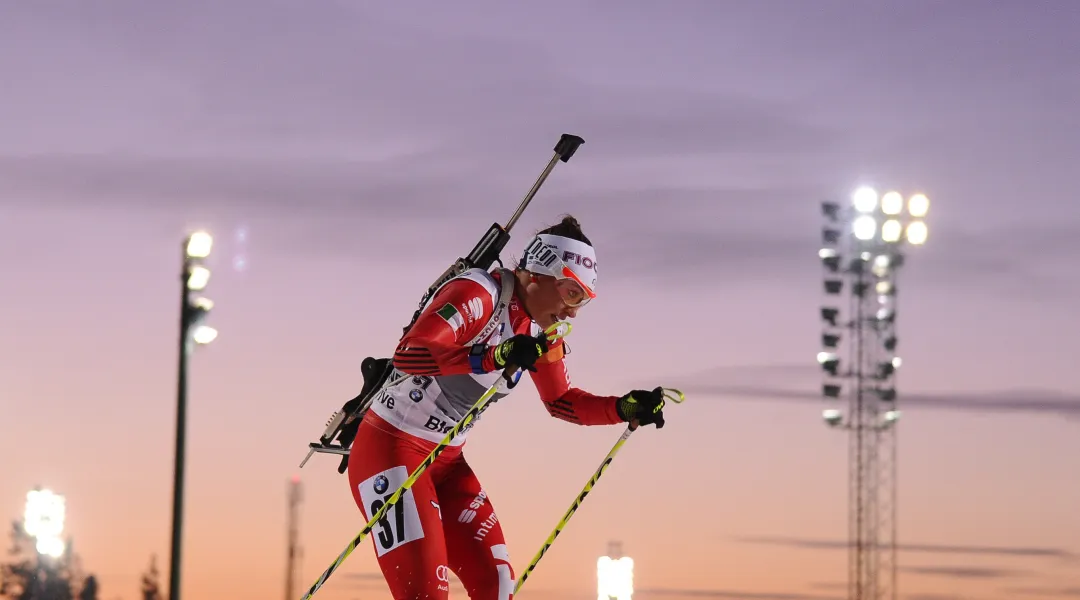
(446, 521)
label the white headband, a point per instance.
(549, 254)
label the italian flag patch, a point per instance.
(451, 316)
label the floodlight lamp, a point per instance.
(829, 340)
(198, 277)
(204, 334)
(890, 343)
(881, 264)
(830, 258)
(830, 210)
(203, 304)
(830, 390)
(916, 233)
(891, 416)
(615, 577)
(832, 416)
(886, 315)
(830, 236)
(887, 395)
(829, 315)
(885, 369)
(890, 231)
(918, 205)
(884, 288)
(892, 203)
(832, 286)
(831, 366)
(199, 245)
(859, 289)
(865, 199)
(44, 514)
(53, 547)
(864, 227)
(824, 357)
(896, 362)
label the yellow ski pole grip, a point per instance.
(556, 331)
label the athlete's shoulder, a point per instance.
(489, 281)
(467, 301)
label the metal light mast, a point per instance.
(864, 243)
(291, 570)
(194, 276)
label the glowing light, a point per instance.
(918, 205)
(43, 520)
(864, 227)
(199, 245)
(198, 277)
(916, 233)
(865, 199)
(890, 231)
(892, 203)
(832, 416)
(204, 334)
(614, 578)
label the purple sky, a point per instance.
(344, 153)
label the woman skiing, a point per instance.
(472, 328)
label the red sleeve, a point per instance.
(568, 403)
(435, 345)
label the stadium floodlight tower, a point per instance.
(864, 247)
(43, 520)
(614, 575)
(194, 276)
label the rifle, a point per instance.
(341, 429)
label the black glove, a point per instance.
(521, 351)
(645, 406)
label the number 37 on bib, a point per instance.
(400, 524)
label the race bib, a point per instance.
(401, 523)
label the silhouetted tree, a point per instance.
(29, 576)
(89, 589)
(151, 587)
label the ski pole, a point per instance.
(554, 332)
(677, 399)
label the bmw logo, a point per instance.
(381, 484)
(416, 395)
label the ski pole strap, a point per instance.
(476, 357)
(671, 394)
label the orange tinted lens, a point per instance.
(572, 293)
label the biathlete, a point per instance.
(474, 326)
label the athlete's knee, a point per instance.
(496, 580)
